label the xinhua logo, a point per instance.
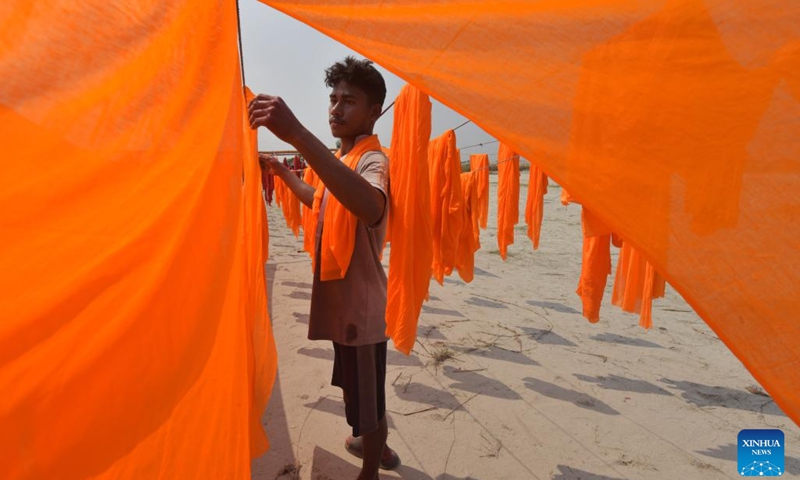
(761, 453)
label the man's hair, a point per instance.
(360, 73)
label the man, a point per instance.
(348, 298)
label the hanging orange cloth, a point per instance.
(290, 205)
(446, 203)
(534, 208)
(595, 266)
(636, 284)
(716, 163)
(411, 257)
(507, 197)
(470, 234)
(479, 164)
(134, 340)
(339, 232)
(308, 219)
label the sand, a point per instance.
(509, 381)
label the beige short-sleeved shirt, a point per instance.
(352, 311)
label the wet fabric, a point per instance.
(507, 197)
(690, 104)
(470, 234)
(135, 341)
(534, 206)
(636, 284)
(411, 259)
(290, 205)
(447, 219)
(480, 165)
(308, 219)
(595, 265)
(339, 237)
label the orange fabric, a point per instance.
(308, 219)
(446, 203)
(590, 118)
(470, 234)
(595, 266)
(134, 340)
(479, 164)
(411, 259)
(534, 207)
(636, 284)
(507, 197)
(683, 103)
(290, 206)
(280, 189)
(339, 231)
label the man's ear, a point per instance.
(376, 112)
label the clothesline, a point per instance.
(479, 144)
(493, 165)
(468, 121)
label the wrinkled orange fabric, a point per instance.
(636, 284)
(447, 220)
(690, 104)
(479, 164)
(339, 231)
(595, 265)
(290, 206)
(507, 197)
(534, 207)
(470, 234)
(411, 259)
(134, 340)
(308, 219)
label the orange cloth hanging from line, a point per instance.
(339, 231)
(290, 205)
(507, 197)
(534, 207)
(470, 234)
(479, 164)
(308, 220)
(446, 202)
(134, 340)
(636, 284)
(595, 265)
(411, 254)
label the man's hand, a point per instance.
(270, 164)
(273, 113)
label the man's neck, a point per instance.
(349, 143)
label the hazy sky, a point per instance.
(287, 58)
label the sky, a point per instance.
(285, 57)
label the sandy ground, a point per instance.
(530, 390)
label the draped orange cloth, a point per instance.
(636, 284)
(339, 231)
(411, 259)
(534, 207)
(308, 219)
(479, 164)
(690, 104)
(507, 197)
(470, 234)
(290, 205)
(595, 265)
(134, 340)
(127, 280)
(446, 203)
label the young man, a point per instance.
(348, 297)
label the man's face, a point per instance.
(350, 112)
